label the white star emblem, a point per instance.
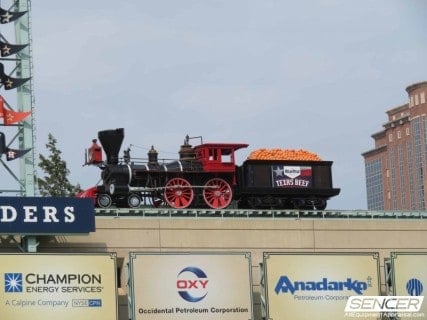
(6, 17)
(9, 83)
(11, 154)
(278, 171)
(5, 49)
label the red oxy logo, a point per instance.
(192, 284)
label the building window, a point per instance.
(402, 178)
(399, 134)
(390, 137)
(374, 185)
(416, 99)
(407, 131)
(423, 97)
(411, 101)
(417, 163)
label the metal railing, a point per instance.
(252, 213)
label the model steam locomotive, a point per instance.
(206, 175)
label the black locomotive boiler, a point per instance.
(206, 175)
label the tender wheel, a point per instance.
(217, 193)
(178, 193)
(133, 200)
(320, 204)
(104, 200)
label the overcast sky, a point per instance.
(316, 75)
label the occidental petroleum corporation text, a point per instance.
(65, 283)
(177, 310)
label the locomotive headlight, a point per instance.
(112, 188)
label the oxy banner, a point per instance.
(409, 278)
(58, 286)
(205, 286)
(46, 215)
(317, 285)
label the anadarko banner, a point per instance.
(58, 286)
(46, 215)
(205, 286)
(317, 286)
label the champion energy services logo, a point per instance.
(13, 282)
(192, 284)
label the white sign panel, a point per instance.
(206, 286)
(58, 286)
(317, 286)
(409, 271)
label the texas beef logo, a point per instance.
(292, 176)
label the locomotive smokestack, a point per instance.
(111, 141)
(152, 156)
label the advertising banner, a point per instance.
(409, 272)
(46, 215)
(56, 286)
(205, 286)
(291, 176)
(317, 285)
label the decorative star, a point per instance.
(5, 18)
(9, 83)
(6, 50)
(11, 154)
(278, 171)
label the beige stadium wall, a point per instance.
(255, 235)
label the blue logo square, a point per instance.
(13, 282)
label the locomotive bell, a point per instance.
(152, 156)
(186, 152)
(94, 153)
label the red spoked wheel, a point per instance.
(178, 193)
(217, 193)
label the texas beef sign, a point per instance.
(46, 215)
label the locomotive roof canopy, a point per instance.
(224, 146)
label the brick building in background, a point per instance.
(396, 169)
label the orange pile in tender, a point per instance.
(283, 154)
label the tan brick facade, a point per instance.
(396, 167)
(256, 235)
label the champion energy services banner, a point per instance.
(410, 277)
(317, 286)
(203, 286)
(65, 287)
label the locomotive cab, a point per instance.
(218, 157)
